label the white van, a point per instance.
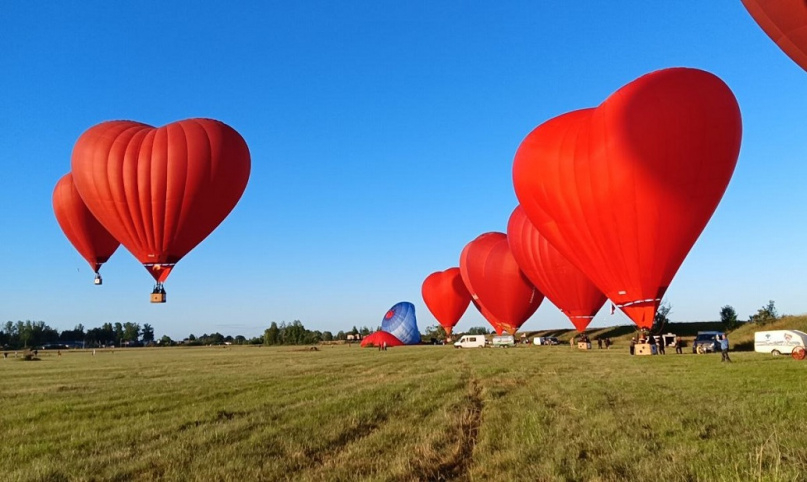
(470, 341)
(779, 342)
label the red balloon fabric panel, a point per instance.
(785, 22)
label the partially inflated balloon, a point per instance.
(161, 191)
(785, 22)
(380, 338)
(446, 297)
(554, 275)
(400, 321)
(87, 235)
(624, 190)
(496, 283)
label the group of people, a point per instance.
(657, 347)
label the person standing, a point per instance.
(679, 345)
(599, 342)
(632, 345)
(724, 349)
(661, 346)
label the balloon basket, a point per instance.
(583, 345)
(158, 297)
(642, 349)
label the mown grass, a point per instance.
(410, 413)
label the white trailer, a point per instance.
(779, 342)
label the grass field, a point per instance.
(410, 413)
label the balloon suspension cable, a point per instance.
(159, 288)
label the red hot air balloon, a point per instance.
(446, 297)
(785, 22)
(624, 190)
(86, 234)
(504, 295)
(554, 275)
(161, 191)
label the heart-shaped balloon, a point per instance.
(785, 22)
(160, 191)
(446, 297)
(504, 296)
(554, 275)
(86, 234)
(624, 190)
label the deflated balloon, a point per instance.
(554, 275)
(379, 338)
(500, 290)
(446, 297)
(400, 322)
(160, 191)
(785, 22)
(624, 190)
(84, 232)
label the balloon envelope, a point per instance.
(785, 22)
(84, 232)
(400, 322)
(446, 297)
(160, 191)
(378, 338)
(624, 190)
(498, 288)
(554, 275)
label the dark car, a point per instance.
(707, 342)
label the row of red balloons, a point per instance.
(611, 199)
(157, 191)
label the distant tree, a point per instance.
(434, 331)
(662, 317)
(729, 317)
(478, 330)
(131, 331)
(327, 336)
(354, 331)
(165, 340)
(118, 332)
(341, 336)
(765, 315)
(148, 332)
(271, 336)
(364, 331)
(191, 337)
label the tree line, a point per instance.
(25, 334)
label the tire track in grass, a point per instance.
(465, 438)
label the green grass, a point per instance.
(410, 413)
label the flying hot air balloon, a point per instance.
(400, 322)
(785, 22)
(446, 297)
(554, 275)
(84, 232)
(624, 190)
(504, 296)
(160, 191)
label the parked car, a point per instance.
(707, 342)
(545, 340)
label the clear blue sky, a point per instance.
(382, 137)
